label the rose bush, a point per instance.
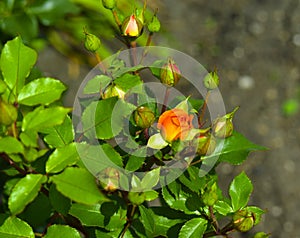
(93, 175)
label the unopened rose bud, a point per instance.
(211, 81)
(144, 117)
(170, 73)
(132, 27)
(8, 113)
(223, 127)
(113, 91)
(154, 25)
(243, 220)
(206, 144)
(92, 43)
(109, 4)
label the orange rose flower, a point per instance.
(175, 124)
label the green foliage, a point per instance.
(48, 192)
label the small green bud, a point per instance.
(144, 117)
(109, 4)
(222, 127)
(154, 25)
(211, 80)
(113, 91)
(210, 196)
(243, 220)
(170, 73)
(132, 27)
(91, 43)
(206, 144)
(136, 198)
(261, 235)
(8, 113)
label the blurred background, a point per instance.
(255, 46)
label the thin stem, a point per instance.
(167, 94)
(129, 220)
(149, 39)
(224, 232)
(203, 109)
(133, 54)
(99, 61)
(196, 162)
(214, 220)
(13, 164)
(117, 20)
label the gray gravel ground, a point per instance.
(255, 46)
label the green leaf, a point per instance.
(134, 163)
(25, 191)
(193, 228)
(95, 215)
(60, 135)
(61, 231)
(11, 145)
(14, 227)
(240, 190)
(41, 91)
(29, 138)
(176, 198)
(151, 195)
(32, 154)
(99, 157)
(235, 149)
(78, 185)
(96, 84)
(113, 234)
(40, 218)
(191, 179)
(147, 219)
(156, 67)
(223, 208)
(42, 118)
(127, 81)
(108, 124)
(150, 179)
(16, 62)
(2, 86)
(61, 158)
(156, 142)
(59, 202)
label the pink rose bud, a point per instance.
(132, 26)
